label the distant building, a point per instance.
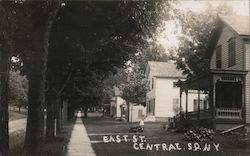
(136, 112)
(117, 106)
(120, 110)
(163, 95)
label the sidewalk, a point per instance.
(79, 144)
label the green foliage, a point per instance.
(134, 90)
(132, 80)
(95, 47)
(197, 29)
(18, 89)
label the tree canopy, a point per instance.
(197, 29)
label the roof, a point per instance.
(204, 80)
(240, 24)
(164, 69)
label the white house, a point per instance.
(163, 96)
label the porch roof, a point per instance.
(204, 81)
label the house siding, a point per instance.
(247, 82)
(119, 102)
(164, 95)
(227, 34)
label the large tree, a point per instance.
(197, 29)
(98, 45)
(131, 78)
(18, 89)
(103, 42)
(34, 22)
(134, 86)
(6, 50)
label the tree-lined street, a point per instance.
(59, 57)
(65, 56)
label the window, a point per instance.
(174, 84)
(203, 105)
(152, 83)
(195, 104)
(153, 106)
(218, 57)
(149, 106)
(231, 52)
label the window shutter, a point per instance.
(231, 52)
(218, 57)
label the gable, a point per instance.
(225, 35)
(238, 25)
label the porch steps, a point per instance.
(231, 129)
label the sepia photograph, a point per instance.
(124, 78)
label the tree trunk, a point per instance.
(35, 120)
(128, 111)
(6, 49)
(53, 113)
(37, 53)
(36, 95)
(4, 96)
(58, 114)
(50, 124)
(86, 111)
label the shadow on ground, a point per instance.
(58, 147)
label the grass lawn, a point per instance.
(56, 148)
(154, 134)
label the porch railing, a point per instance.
(228, 113)
(204, 114)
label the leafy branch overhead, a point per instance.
(197, 29)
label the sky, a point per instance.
(240, 7)
(169, 37)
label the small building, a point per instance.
(136, 112)
(117, 109)
(163, 96)
(121, 110)
(228, 80)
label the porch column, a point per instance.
(186, 104)
(243, 104)
(210, 101)
(214, 99)
(198, 117)
(180, 102)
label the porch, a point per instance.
(225, 92)
(220, 113)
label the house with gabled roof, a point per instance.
(163, 97)
(228, 80)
